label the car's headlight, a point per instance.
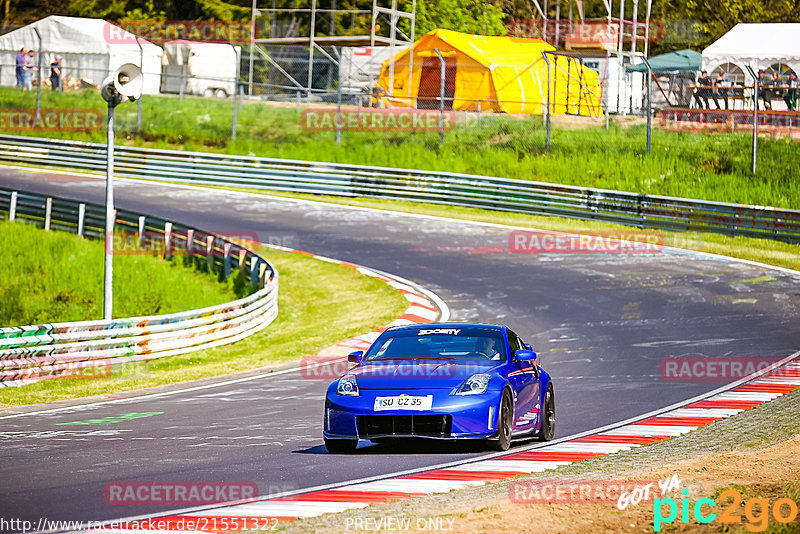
(347, 386)
(474, 385)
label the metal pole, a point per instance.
(139, 103)
(39, 84)
(235, 91)
(755, 117)
(619, 55)
(183, 80)
(108, 293)
(649, 102)
(252, 39)
(312, 35)
(441, 95)
(339, 99)
(547, 115)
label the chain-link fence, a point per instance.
(511, 95)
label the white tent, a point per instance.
(760, 46)
(91, 49)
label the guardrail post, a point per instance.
(141, 230)
(254, 270)
(262, 272)
(226, 261)
(48, 213)
(190, 242)
(81, 218)
(167, 239)
(210, 253)
(12, 207)
(242, 260)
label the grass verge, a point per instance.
(58, 277)
(320, 303)
(692, 165)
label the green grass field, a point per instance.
(56, 277)
(692, 165)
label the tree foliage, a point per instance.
(468, 16)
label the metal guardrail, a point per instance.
(503, 194)
(86, 348)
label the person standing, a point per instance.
(55, 73)
(790, 95)
(22, 61)
(29, 70)
(703, 91)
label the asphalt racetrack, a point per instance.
(601, 324)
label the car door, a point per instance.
(524, 379)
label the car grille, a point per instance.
(431, 426)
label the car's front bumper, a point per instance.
(470, 416)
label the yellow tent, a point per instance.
(504, 74)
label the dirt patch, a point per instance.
(771, 473)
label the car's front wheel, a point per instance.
(505, 423)
(341, 446)
(548, 416)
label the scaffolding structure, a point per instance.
(619, 31)
(322, 26)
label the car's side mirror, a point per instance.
(355, 357)
(525, 355)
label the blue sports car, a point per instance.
(441, 381)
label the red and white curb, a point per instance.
(701, 411)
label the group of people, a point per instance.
(26, 68)
(769, 88)
(713, 88)
(773, 86)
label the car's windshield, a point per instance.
(439, 342)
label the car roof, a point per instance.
(445, 325)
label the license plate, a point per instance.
(403, 402)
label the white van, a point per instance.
(207, 69)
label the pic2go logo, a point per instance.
(756, 510)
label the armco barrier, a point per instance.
(32, 353)
(504, 194)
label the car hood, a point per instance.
(422, 373)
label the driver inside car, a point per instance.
(487, 346)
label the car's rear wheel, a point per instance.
(341, 446)
(505, 423)
(548, 416)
